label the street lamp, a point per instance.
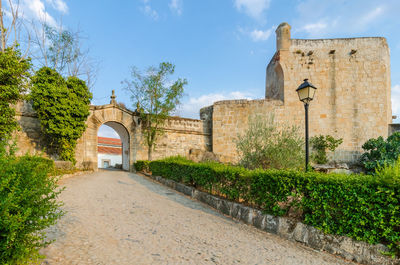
(306, 93)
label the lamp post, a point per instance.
(306, 93)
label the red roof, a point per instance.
(109, 150)
(109, 141)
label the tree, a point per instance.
(12, 27)
(14, 75)
(62, 106)
(263, 145)
(62, 50)
(156, 97)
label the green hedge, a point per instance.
(359, 206)
(142, 165)
(27, 206)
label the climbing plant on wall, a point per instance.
(63, 107)
(14, 73)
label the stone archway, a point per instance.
(124, 135)
(123, 121)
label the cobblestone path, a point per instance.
(115, 217)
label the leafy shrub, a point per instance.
(389, 172)
(363, 207)
(379, 152)
(142, 165)
(320, 144)
(62, 106)
(27, 206)
(263, 145)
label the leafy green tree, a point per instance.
(63, 107)
(320, 144)
(14, 75)
(379, 152)
(156, 97)
(264, 145)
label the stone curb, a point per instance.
(342, 246)
(78, 173)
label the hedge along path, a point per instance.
(358, 206)
(115, 217)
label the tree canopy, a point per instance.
(156, 98)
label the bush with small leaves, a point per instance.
(379, 152)
(27, 206)
(322, 143)
(264, 145)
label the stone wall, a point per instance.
(29, 138)
(181, 135)
(352, 100)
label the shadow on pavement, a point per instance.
(174, 195)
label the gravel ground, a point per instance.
(115, 217)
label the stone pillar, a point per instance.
(113, 101)
(283, 37)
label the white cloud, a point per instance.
(341, 17)
(396, 101)
(253, 8)
(149, 11)
(191, 108)
(255, 34)
(107, 131)
(59, 5)
(176, 6)
(370, 17)
(313, 28)
(261, 35)
(35, 9)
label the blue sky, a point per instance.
(221, 47)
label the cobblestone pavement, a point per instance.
(115, 217)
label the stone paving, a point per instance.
(115, 217)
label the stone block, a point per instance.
(63, 165)
(170, 183)
(226, 207)
(236, 211)
(271, 224)
(258, 219)
(245, 214)
(315, 238)
(286, 227)
(184, 189)
(300, 233)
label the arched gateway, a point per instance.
(122, 120)
(181, 135)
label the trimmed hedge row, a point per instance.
(359, 206)
(142, 165)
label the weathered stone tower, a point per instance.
(352, 100)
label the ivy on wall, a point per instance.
(63, 107)
(14, 75)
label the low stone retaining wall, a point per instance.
(342, 246)
(78, 173)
